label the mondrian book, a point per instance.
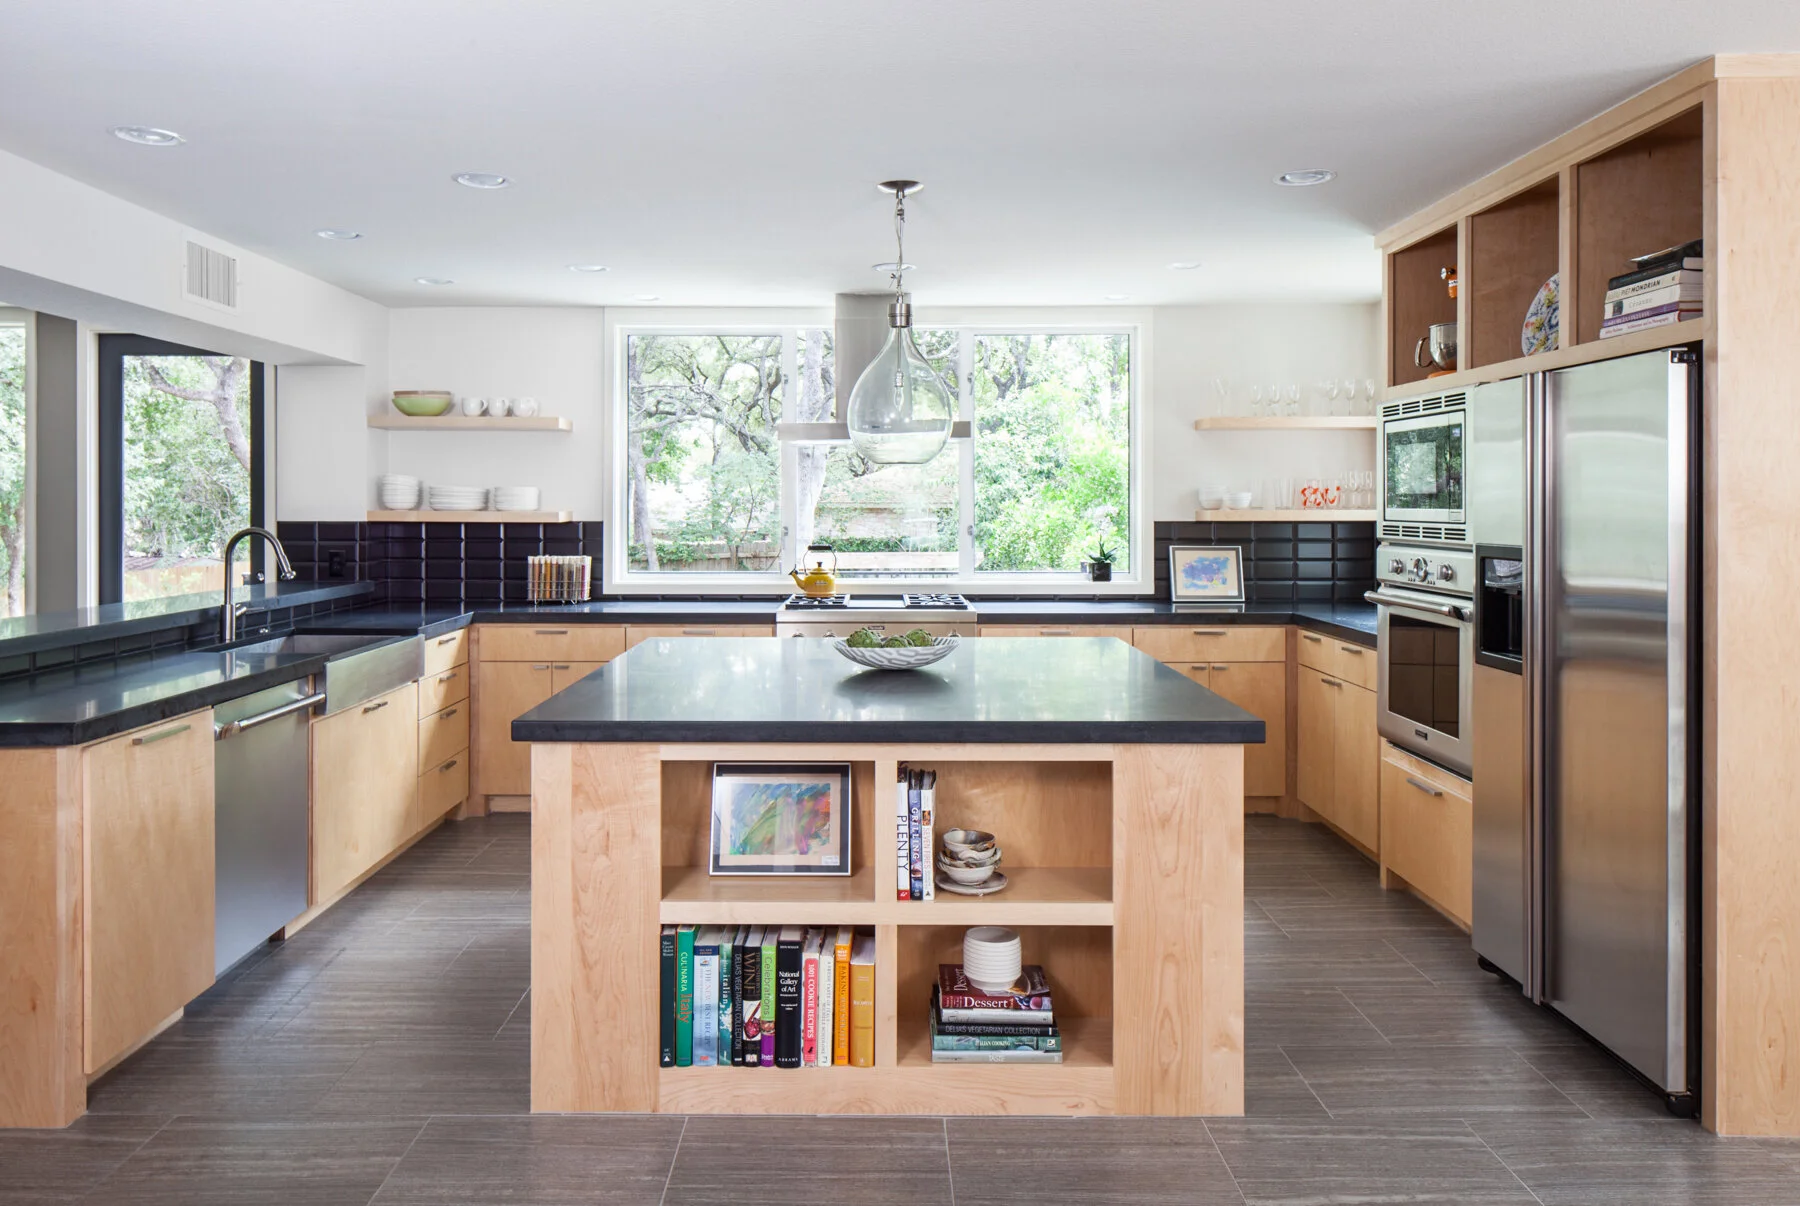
(840, 995)
(706, 997)
(958, 1000)
(666, 958)
(927, 839)
(684, 996)
(749, 1050)
(862, 1001)
(902, 838)
(789, 970)
(1051, 1041)
(728, 940)
(1618, 307)
(1634, 283)
(766, 1056)
(827, 999)
(916, 858)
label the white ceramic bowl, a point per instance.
(1239, 501)
(961, 841)
(911, 657)
(968, 876)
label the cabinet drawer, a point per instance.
(1057, 630)
(443, 652)
(443, 786)
(1338, 658)
(1427, 831)
(438, 691)
(636, 633)
(546, 643)
(1201, 643)
(443, 733)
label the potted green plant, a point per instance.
(1100, 563)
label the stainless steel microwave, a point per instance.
(1422, 479)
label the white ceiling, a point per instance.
(719, 152)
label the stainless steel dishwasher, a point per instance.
(262, 819)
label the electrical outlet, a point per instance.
(335, 564)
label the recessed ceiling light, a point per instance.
(433, 280)
(889, 266)
(1185, 265)
(338, 236)
(148, 136)
(482, 179)
(648, 297)
(587, 268)
(1306, 177)
(1118, 297)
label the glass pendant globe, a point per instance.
(900, 410)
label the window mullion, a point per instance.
(965, 452)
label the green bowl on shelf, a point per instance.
(422, 403)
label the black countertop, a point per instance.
(53, 630)
(1049, 690)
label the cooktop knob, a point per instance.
(1397, 566)
(1446, 573)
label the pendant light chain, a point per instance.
(899, 243)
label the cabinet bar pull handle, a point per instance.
(1209, 632)
(544, 666)
(1307, 636)
(446, 640)
(699, 632)
(446, 677)
(447, 713)
(550, 631)
(1056, 631)
(375, 707)
(1427, 788)
(1330, 682)
(147, 738)
(1221, 667)
(1356, 649)
(564, 666)
(446, 766)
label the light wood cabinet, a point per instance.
(438, 691)
(365, 772)
(1175, 643)
(1427, 832)
(1336, 772)
(147, 916)
(527, 643)
(636, 634)
(566, 674)
(443, 733)
(1057, 630)
(504, 690)
(1338, 659)
(442, 787)
(1260, 688)
(443, 652)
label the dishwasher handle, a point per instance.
(233, 728)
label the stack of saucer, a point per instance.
(515, 498)
(457, 498)
(992, 957)
(398, 492)
(969, 864)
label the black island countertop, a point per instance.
(1044, 690)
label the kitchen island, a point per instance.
(1114, 785)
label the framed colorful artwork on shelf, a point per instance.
(1206, 573)
(780, 819)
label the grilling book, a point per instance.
(917, 862)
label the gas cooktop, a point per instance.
(906, 602)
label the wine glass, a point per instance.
(1369, 396)
(1331, 397)
(1293, 400)
(1222, 388)
(1256, 400)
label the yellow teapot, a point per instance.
(817, 581)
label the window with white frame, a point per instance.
(710, 492)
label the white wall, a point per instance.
(1270, 343)
(326, 457)
(556, 355)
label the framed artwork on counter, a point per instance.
(771, 818)
(1206, 573)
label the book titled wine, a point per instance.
(666, 958)
(862, 1001)
(789, 971)
(684, 996)
(840, 995)
(706, 997)
(749, 1052)
(957, 999)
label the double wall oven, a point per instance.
(1425, 573)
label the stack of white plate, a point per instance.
(398, 492)
(515, 498)
(457, 498)
(992, 957)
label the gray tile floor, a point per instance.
(381, 1057)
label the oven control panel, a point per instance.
(1447, 571)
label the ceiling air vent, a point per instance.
(211, 276)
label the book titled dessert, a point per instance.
(957, 999)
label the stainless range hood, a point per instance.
(859, 329)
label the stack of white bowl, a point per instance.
(457, 498)
(992, 957)
(398, 492)
(515, 498)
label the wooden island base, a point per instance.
(1126, 869)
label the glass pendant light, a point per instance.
(900, 410)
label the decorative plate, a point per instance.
(1541, 320)
(986, 887)
(908, 657)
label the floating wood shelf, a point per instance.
(1307, 515)
(1033, 896)
(1287, 423)
(470, 516)
(455, 422)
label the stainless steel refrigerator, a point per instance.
(1583, 492)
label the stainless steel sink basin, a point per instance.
(358, 667)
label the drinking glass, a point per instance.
(1350, 402)
(1369, 396)
(1368, 485)
(1222, 390)
(1293, 400)
(1334, 493)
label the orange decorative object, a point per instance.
(1448, 276)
